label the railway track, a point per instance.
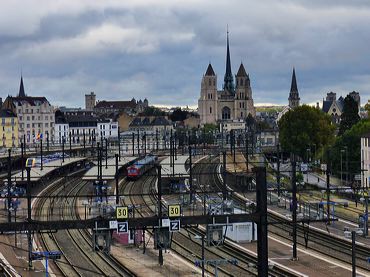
(334, 247)
(78, 257)
(184, 242)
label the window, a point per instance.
(241, 114)
(28, 118)
(46, 117)
(33, 117)
(46, 125)
(210, 109)
(226, 113)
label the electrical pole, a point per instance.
(70, 144)
(84, 142)
(294, 208)
(224, 188)
(117, 192)
(138, 143)
(29, 236)
(191, 176)
(278, 169)
(119, 144)
(22, 160)
(328, 188)
(262, 242)
(9, 183)
(159, 168)
(63, 141)
(42, 165)
(133, 143)
(353, 253)
(106, 153)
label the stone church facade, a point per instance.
(233, 102)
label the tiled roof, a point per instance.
(7, 113)
(33, 101)
(115, 104)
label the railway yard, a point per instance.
(202, 214)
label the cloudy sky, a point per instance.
(160, 49)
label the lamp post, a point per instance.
(347, 170)
(341, 166)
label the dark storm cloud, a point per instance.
(160, 50)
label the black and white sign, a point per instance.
(175, 225)
(122, 227)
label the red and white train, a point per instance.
(136, 170)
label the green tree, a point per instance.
(349, 116)
(304, 127)
(179, 115)
(349, 144)
(152, 111)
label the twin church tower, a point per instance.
(234, 101)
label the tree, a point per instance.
(349, 116)
(349, 144)
(178, 115)
(152, 111)
(304, 127)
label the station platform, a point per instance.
(36, 173)
(109, 171)
(179, 169)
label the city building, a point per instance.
(230, 103)
(90, 101)
(365, 160)
(131, 107)
(151, 123)
(35, 116)
(83, 125)
(9, 128)
(334, 107)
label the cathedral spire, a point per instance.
(228, 79)
(293, 87)
(21, 89)
(293, 95)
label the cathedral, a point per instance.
(233, 102)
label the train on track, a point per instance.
(141, 166)
(36, 161)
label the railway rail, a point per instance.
(78, 257)
(184, 242)
(319, 241)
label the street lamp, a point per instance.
(341, 166)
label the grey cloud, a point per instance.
(161, 50)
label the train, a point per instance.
(141, 166)
(36, 161)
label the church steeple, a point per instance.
(293, 86)
(293, 95)
(228, 79)
(21, 89)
